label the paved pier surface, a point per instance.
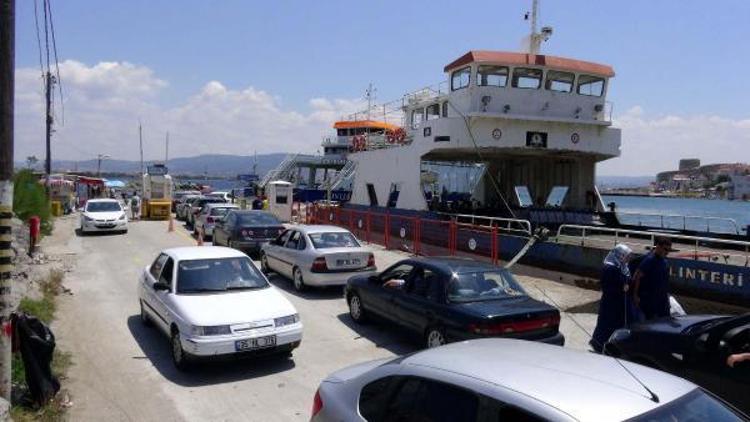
(123, 371)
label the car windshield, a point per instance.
(258, 219)
(483, 285)
(103, 207)
(694, 406)
(218, 275)
(333, 240)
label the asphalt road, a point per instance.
(123, 371)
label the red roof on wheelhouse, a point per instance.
(516, 59)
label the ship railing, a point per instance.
(512, 225)
(425, 94)
(683, 222)
(735, 252)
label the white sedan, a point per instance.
(103, 215)
(213, 301)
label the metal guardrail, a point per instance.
(624, 236)
(508, 224)
(684, 218)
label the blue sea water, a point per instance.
(738, 211)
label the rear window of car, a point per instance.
(333, 240)
(103, 207)
(220, 210)
(694, 406)
(218, 275)
(483, 285)
(259, 219)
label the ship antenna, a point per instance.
(370, 95)
(536, 38)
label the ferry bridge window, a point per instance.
(492, 76)
(590, 85)
(527, 78)
(433, 112)
(417, 115)
(559, 81)
(445, 109)
(460, 78)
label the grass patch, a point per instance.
(30, 198)
(44, 309)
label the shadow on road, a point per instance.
(155, 347)
(384, 335)
(311, 293)
(80, 233)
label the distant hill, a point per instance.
(614, 182)
(213, 164)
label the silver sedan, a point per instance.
(313, 255)
(511, 380)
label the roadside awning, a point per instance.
(114, 183)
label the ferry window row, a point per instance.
(359, 131)
(431, 112)
(528, 78)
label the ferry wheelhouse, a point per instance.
(508, 134)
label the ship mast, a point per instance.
(536, 38)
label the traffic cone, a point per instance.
(170, 229)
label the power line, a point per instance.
(57, 64)
(38, 37)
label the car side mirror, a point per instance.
(160, 286)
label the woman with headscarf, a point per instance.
(613, 307)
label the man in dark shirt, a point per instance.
(651, 281)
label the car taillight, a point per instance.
(319, 265)
(317, 404)
(371, 260)
(210, 219)
(515, 326)
(247, 232)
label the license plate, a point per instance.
(255, 343)
(342, 262)
(105, 226)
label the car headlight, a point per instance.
(87, 218)
(286, 320)
(122, 217)
(213, 330)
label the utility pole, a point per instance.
(140, 140)
(49, 81)
(7, 72)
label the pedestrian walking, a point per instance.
(651, 281)
(613, 306)
(135, 206)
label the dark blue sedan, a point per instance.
(451, 299)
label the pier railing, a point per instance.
(681, 222)
(736, 252)
(518, 225)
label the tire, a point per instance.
(434, 337)
(356, 310)
(179, 357)
(264, 268)
(297, 280)
(145, 319)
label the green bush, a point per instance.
(29, 199)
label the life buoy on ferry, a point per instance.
(397, 136)
(359, 143)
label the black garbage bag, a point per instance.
(36, 342)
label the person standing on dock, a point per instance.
(651, 281)
(614, 306)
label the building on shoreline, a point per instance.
(723, 180)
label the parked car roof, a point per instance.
(583, 385)
(202, 252)
(103, 200)
(221, 205)
(319, 228)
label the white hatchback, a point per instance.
(103, 215)
(213, 301)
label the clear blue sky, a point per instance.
(683, 57)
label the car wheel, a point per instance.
(435, 337)
(356, 311)
(264, 264)
(299, 283)
(179, 358)
(145, 320)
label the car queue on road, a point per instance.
(216, 302)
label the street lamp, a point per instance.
(99, 159)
